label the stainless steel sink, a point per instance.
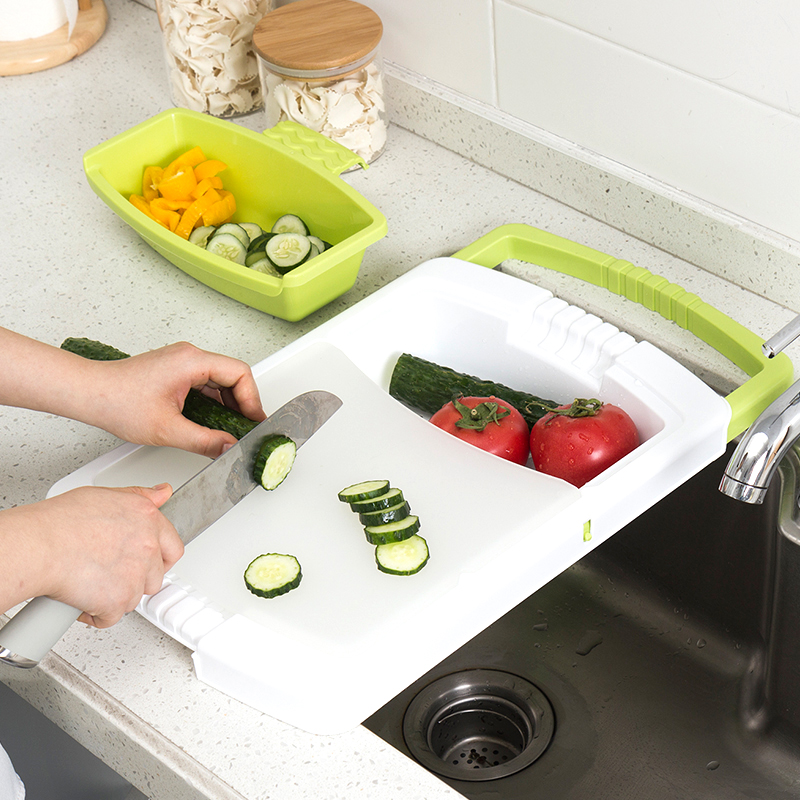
(664, 665)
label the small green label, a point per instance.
(587, 531)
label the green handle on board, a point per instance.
(769, 377)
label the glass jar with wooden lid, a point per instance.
(320, 66)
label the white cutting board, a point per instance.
(327, 655)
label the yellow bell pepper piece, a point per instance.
(179, 185)
(152, 177)
(162, 213)
(142, 204)
(186, 193)
(221, 211)
(191, 158)
(191, 217)
(209, 168)
(205, 184)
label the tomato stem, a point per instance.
(580, 407)
(478, 418)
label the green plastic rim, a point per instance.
(769, 377)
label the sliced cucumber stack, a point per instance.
(274, 461)
(275, 252)
(273, 574)
(389, 525)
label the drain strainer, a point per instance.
(478, 725)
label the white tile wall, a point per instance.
(750, 47)
(667, 123)
(699, 95)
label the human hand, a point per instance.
(140, 399)
(96, 549)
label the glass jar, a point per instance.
(320, 66)
(208, 46)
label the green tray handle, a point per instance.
(769, 376)
(321, 150)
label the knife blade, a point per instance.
(219, 486)
(193, 507)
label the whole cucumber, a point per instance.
(197, 407)
(427, 386)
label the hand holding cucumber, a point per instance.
(99, 550)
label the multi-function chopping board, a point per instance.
(328, 654)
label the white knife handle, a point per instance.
(30, 634)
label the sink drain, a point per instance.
(478, 725)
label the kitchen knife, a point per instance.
(196, 505)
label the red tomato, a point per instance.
(578, 449)
(507, 436)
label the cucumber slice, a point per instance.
(253, 256)
(397, 531)
(228, 246)
(290, 223)
(265, 266)
(274, 461)
(273, 574)
(288, 250)
(260, 242)
(234, 229)
(252, 230)
(396, 512)
(402, 558)
(201, 235)
(318, 243)
(390, 498)
(363, 491)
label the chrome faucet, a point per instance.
(767, 440)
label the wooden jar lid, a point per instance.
(318, 35)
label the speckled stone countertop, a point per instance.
(72, 268)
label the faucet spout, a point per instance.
(761, 448)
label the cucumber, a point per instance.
(321, 245)
(288, 250)
(427, 386)
(389, 498)
(234, 229)
(265, 267)
(229, 246)
(396, 531)
(259, 243)
(402, 558)
(274, 461)
(273, 574)
(197, 407)
(363, 491)
(252, 229)
(290, 223)
(91, 349)
(201, 235)
(384, 515)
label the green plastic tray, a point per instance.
(287, 169)
(769, 376)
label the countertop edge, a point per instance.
(110, 731)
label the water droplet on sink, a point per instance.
(588, 642)
(712, 765)
(701, 643)
(540, 626)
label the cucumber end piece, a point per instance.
(274, 461)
